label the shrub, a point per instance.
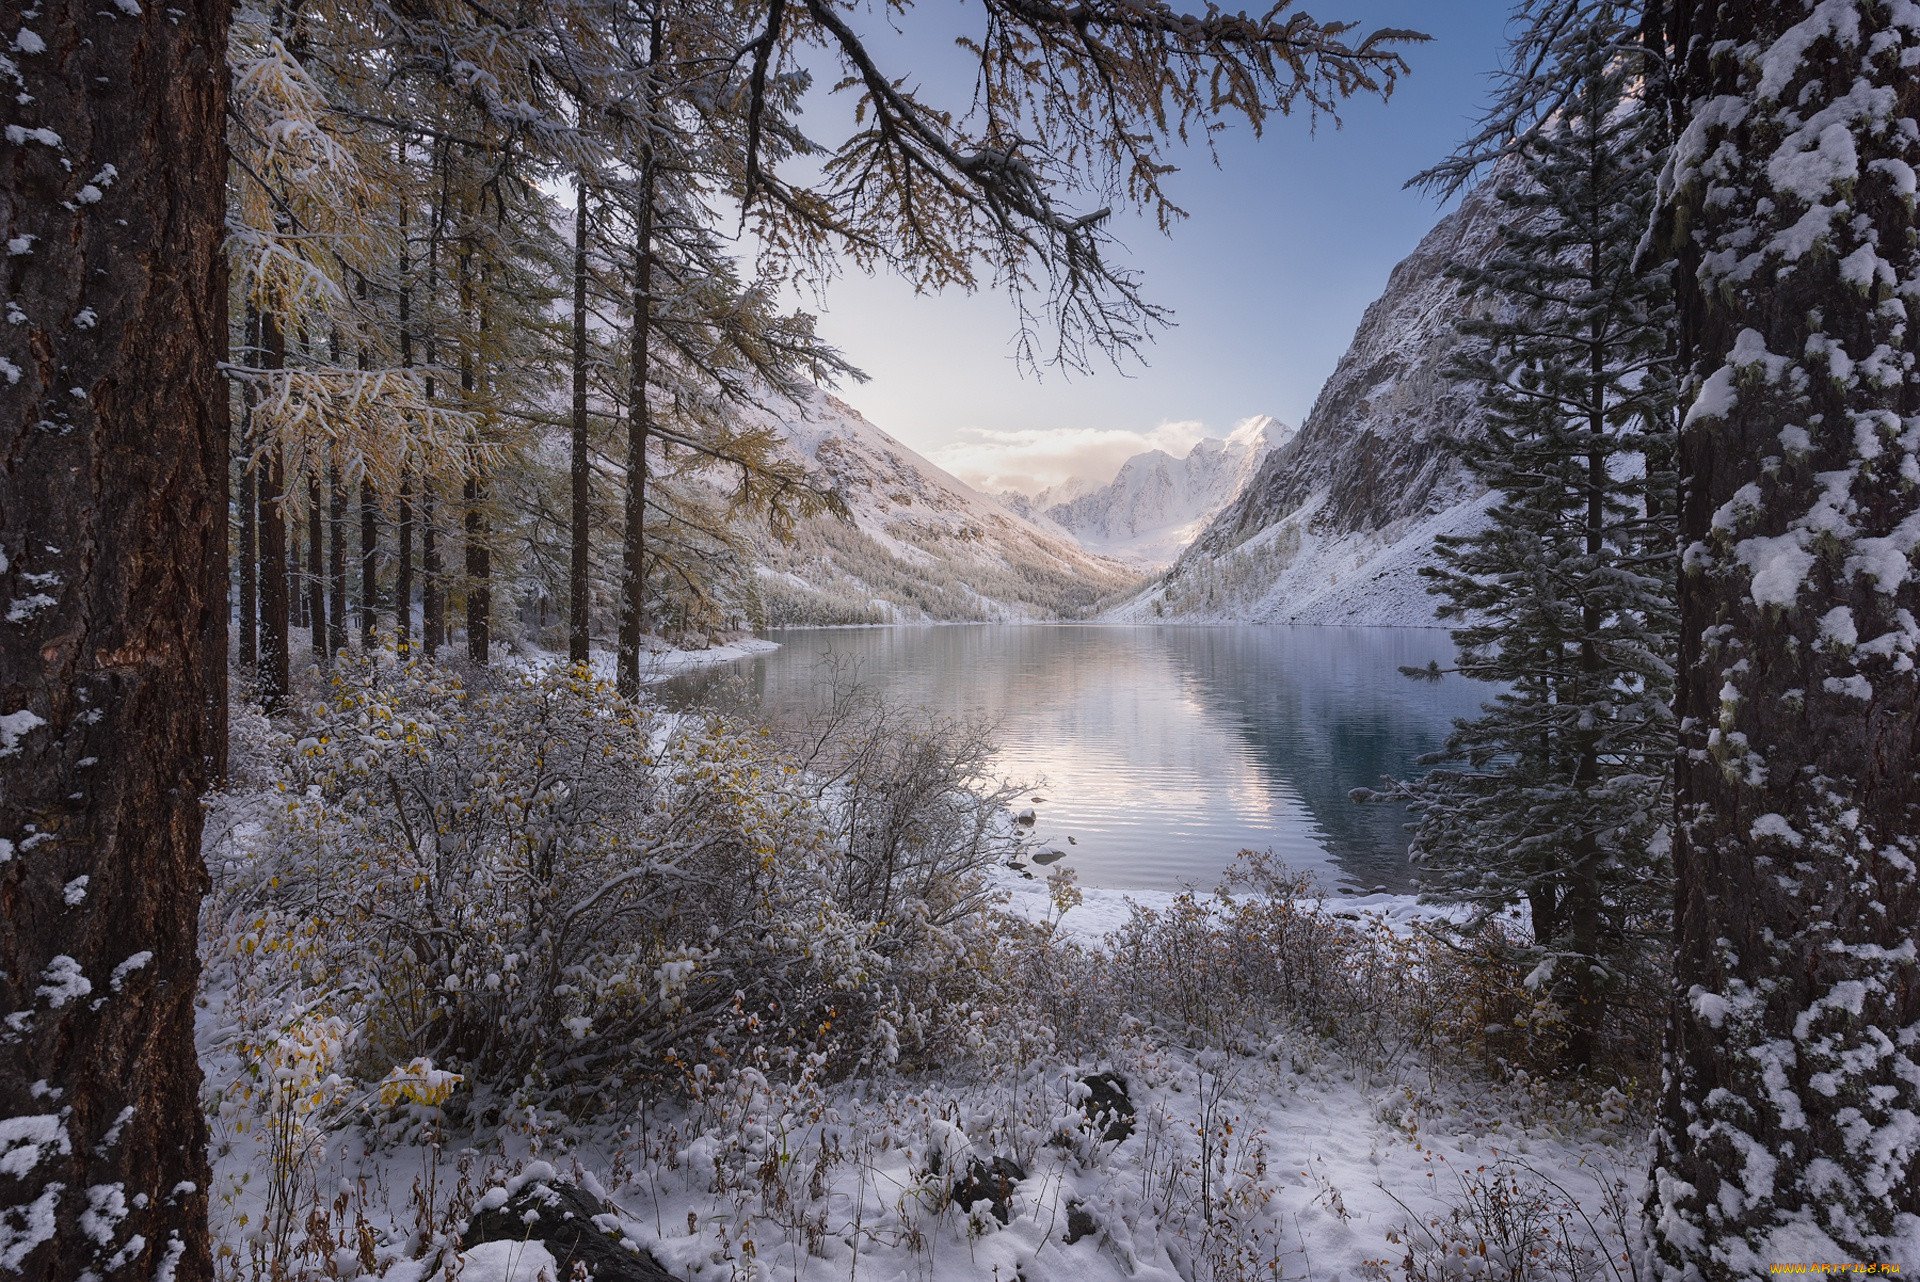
(547, 888)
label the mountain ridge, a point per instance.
(918, 545)
(1337, 522)
(1156, 502)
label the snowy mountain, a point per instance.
(1336, 522)
(921, 544)
(1157, 503)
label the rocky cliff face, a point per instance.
(920, 544)
(1335, 524)
(1157, 503)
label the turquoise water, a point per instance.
(1162, 751)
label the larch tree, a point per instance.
(112, 509)
(1556, 796)
(1074, 110)
(1789, 1125)
(320, 245)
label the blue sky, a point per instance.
(1286, 244)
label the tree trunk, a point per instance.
(432, 579)
(479, 557)
(479, 572)
(317, 567)
(337, 559)
(1787, 1126)
(403, 501)
(403, 564)
(109, 523)
(579, 600)
(369, 567)
(275, 669)
(249, 513)
(633, 574)
(296, 577)
(433, 607)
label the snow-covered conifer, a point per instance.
(1790, 1127)
(1555, 796)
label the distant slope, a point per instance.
(1335, 525)
(921, 546)
(1152, 510)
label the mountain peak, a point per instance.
(1156, 503)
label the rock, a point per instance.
(1080, 1221)
(1046, 857)
(1038, 800)
(991, 1182)
(1026, 819)
(1071, 840)
(1108, 1106)
(572, 1224)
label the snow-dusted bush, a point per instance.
(1507, 1221)
(1267, 951)
(1261, 952)
(529, 878)
(525, 878)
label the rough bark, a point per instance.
(1788, 1129)
(336, 560)
(433, 601)
(369, 567)
(317, 569)
(579, 600)
(403, 500)
(249, 516)
(633, 572)
(403, 563)
(275, 680)
(113, 487)
(479, 572)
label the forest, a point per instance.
(393, 389)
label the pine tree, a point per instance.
(1556, 795)
(1788, 1127)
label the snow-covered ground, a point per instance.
(1317, 1166)
(1103, 910)
(1292, 1157)
(1292, 572)
(660, 660)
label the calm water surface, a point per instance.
(1164, 750)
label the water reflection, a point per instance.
(1161, 751)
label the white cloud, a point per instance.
(1031, 460)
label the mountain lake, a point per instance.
(1157, 753)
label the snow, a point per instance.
(24, 1227)
(19, 135)
(138, 961)
(15, 724)
(914, 527)
(1779, 563)
(1839, 19)
(509, 1262)
(23, 1138)
(62, 981)
(1156, 504)
(1320, 1158)
(1103, 910)
(1298, 573)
